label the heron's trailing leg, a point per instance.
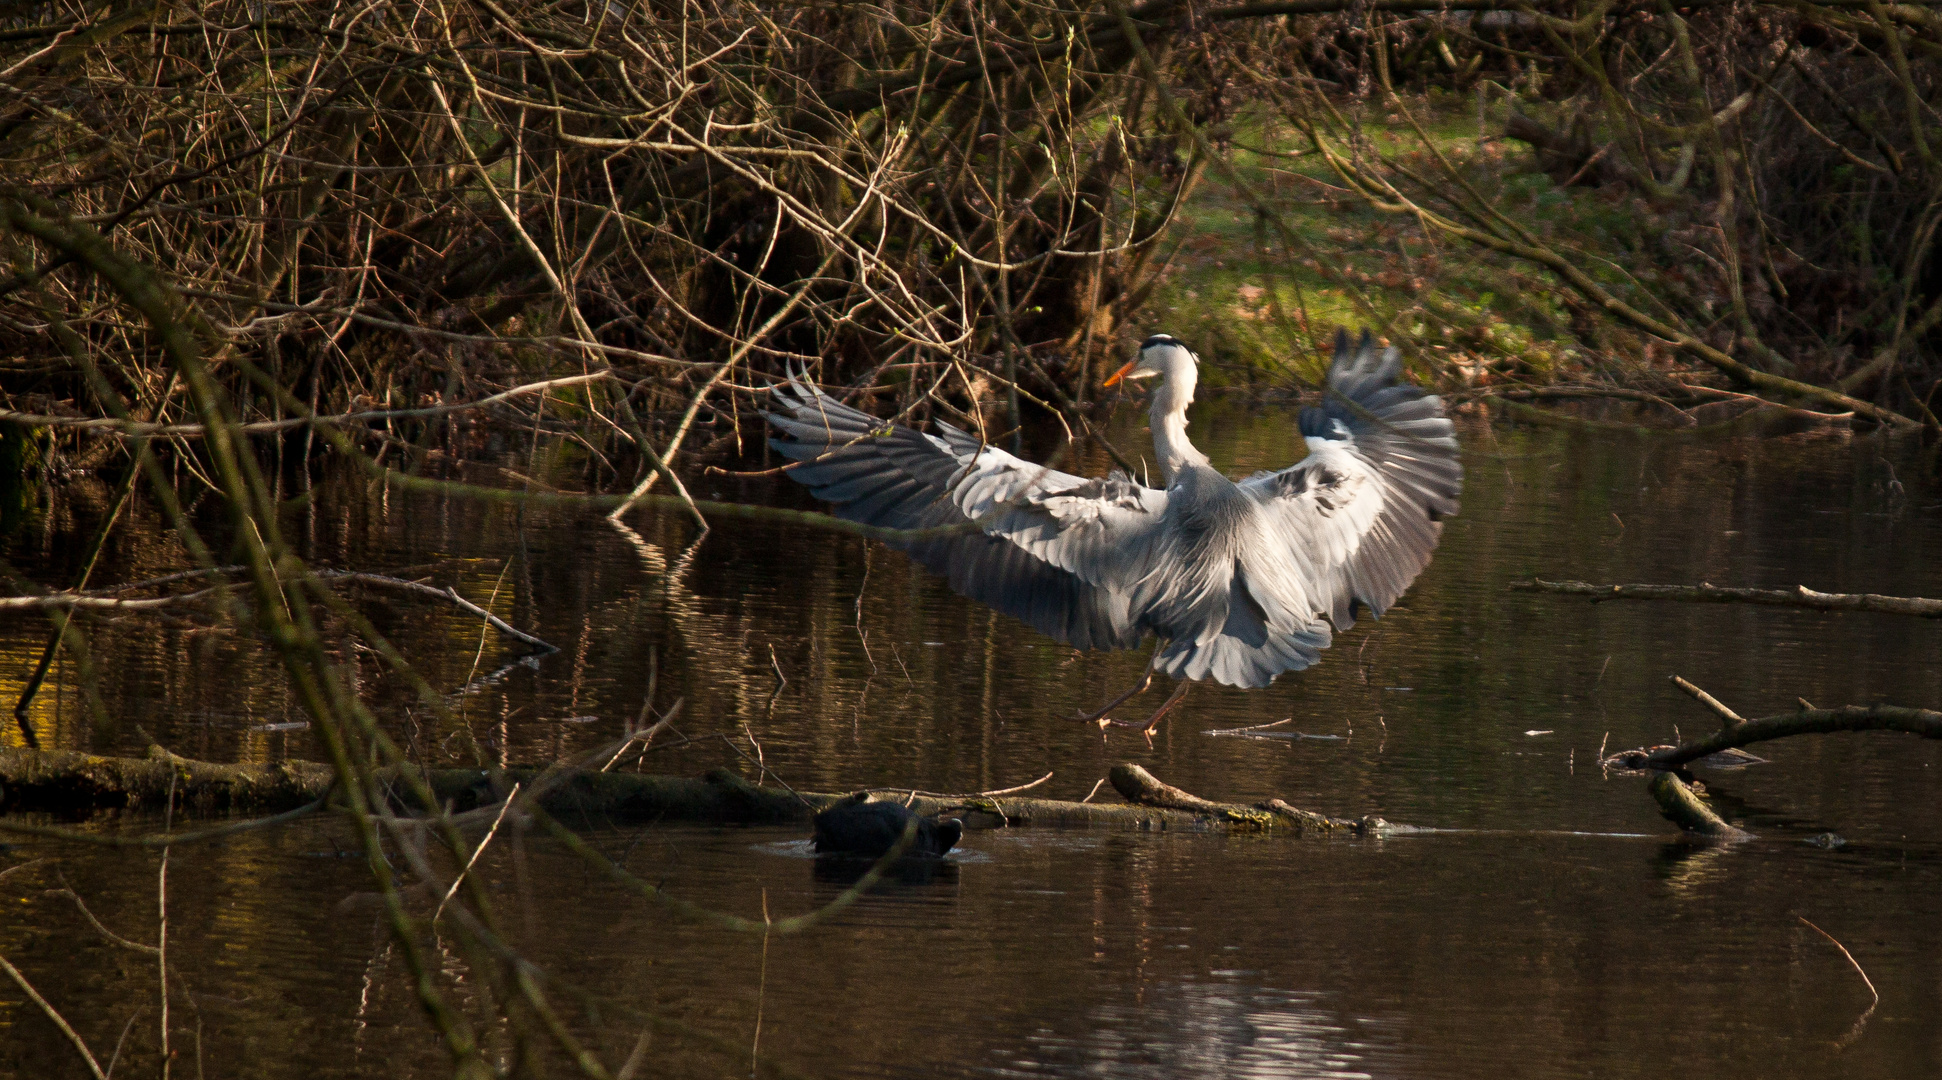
(1153, 722)
(1098, 716)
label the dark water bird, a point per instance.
(871, 829)
(1240, 581)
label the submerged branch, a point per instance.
(1705, 593)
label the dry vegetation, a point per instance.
(388, 207)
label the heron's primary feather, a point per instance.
(1054, 547)
(1359, 517)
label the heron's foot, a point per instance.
(1152, 723)
(1098, 716)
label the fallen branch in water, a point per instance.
(1727, 717)
(1681, 804)
(1138, 786)
(1260, 731)
(1924, 722)
(1683, 807)
(1765, 419)
(1706, 593)
(68, 782)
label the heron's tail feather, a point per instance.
(1234, 662)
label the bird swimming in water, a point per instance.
(1239, 581)
(870, 829)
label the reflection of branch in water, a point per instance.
(657, 562)
(862, 634)
(1854, 1031)
(108, 599)
(530, 660)
(667, 576)
(856, 714)
(782, 682)
(1689, 867)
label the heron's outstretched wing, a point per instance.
(1355, 521)
(1055, 550)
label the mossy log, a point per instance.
(65, 782)
(1682, 806)
(68, 782)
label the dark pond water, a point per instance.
(1563, 932)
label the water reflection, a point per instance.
(1523, 951)
(1202, 1031)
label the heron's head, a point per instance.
(1158, 355)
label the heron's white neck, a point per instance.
(1169, 421)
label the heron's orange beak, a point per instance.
(1113, 379)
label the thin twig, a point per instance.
(973, 795)
(110, 935)
(1846, 953)
(1728, 718)
(476, 852)
(59, 1022)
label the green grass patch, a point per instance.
(1261, 296)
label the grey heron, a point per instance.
(1239, 581)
